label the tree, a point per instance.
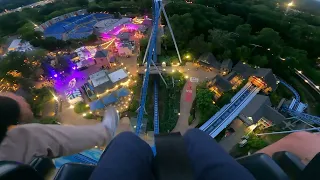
(267, 38)
(55, 14)
(204, 99)
(39, 98)
(145, 5)
(7, 4)
(225, 99)
(204, 104)
(82, 2)
(295, 34)
(255, 143)
(48, 120)
(179, 24)
(260, 61)
(36, 54)
(294, 57)
(230, 22)
(49, 43)
(243, 32)
(81, 107)
(95, 8)
(15, 61)
(226, 55)
(198, 45)
(91, 38)
(243, 53)
(222, 41)
(10, 23)
(143, 47)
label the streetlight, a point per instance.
(290, 4)
(283, 59)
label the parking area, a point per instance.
(233, 139)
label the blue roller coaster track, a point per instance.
(152, 55)
(292, 112)
(155, 106)
(92, 156)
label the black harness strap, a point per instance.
(171, 161)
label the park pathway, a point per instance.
(187, 97)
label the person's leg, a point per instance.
(126, 157)
(209, 160)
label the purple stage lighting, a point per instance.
(55, 75)
(74, 68)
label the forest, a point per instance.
(264, 34)
(13, 4)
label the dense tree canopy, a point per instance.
(204, 104)
(266, 34)
(10, 4)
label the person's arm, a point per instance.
(305, 145)
(33, 140)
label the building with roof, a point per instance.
(125, 36)
(102, 57)
(18, 45)
(109, 25)
(243, 69)
(104, 80)
(209, 60)
(226, 67)
(100, 81)
(118, 76)
(218, 85)
(262, 77)
(260, 110)
(125, 48)
(268, 77)
(84, 57)
(74, 25)
(109, 99)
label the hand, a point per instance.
(26, 115)
(305, 145)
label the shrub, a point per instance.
(90, 116)
(81, 107)
(48, 120)
(190, 120)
